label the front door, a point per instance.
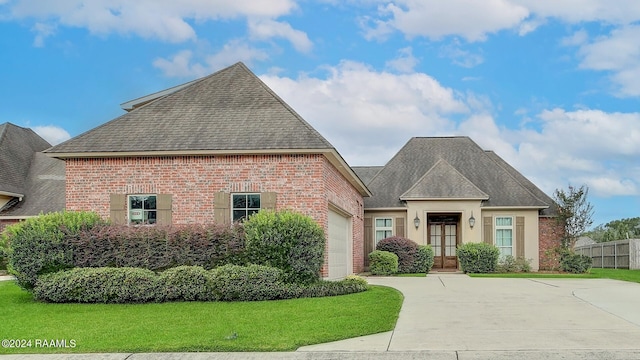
(443, 237)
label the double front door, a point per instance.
(443, 237)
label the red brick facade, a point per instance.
(307, 183)
(549, 238)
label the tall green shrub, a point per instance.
(478, 257)
(288, 241)
(383, 262)
(424, 259)
(39, 245)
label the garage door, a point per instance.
(339, 246)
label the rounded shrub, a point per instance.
(383, 262)
(288, 241)
(248, 283)
(424, 259)
(575, 263)
(350, 285)
(40, 245)
(98, 285)
(405, 249)
(478, 257)
(187, 283)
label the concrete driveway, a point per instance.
(589, 318)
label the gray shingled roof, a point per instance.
(407, 170)
(229, 110)
(44, 189)
(366, 173)
(443, 181)
(17, 146)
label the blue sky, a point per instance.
(552, 86)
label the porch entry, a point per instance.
(444, 236)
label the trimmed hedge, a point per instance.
(98, 285)
(512, 264)
(247, 283)
(478, 257)
(158, 248)
(424, 259)
(39, 245)
(405, 249)
(286, 240)
(186, 283)
(383, 263)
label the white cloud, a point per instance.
(459, 56)
(405, 62)
(435, 19)
(185, 64)
(53, 134)
(377, 110)
(265, 29)
(166, 20)
(42, 31)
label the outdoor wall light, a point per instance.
(416, 221)
(472, 220)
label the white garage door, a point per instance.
(339, 246)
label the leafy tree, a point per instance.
(616, 230)
(574, 213)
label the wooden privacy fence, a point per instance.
(621, 254)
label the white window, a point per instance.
(384, 228)
(142, 209)
(244, 205)
(504, 235)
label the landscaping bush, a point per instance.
(424, 259)
(288, 241)
(39, 245)
(478, 257)
(383, 263)
(4, 253)
(158, 248)
(249, 283)
(575, 263)
(186, 283)
(510, 264)
(405, 249)
(351, 284)
(99, 285)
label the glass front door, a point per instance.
(443, 238)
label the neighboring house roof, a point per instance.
(17, 146)
(33, 181)
(229, 112)
(451, 168)
(44, 189)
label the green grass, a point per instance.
(616, 274)
(196, 326)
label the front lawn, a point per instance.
(616, 274)
(194, 326)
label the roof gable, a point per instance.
(407, 170)
(17, 147)
(230, 110)
(443, 181)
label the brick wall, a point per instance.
(306, 183)
(549, 237)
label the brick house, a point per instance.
(446, 191)
(216, 150)
(31, 183)
(222, 147)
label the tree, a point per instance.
(616, 230)
(574, 213)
